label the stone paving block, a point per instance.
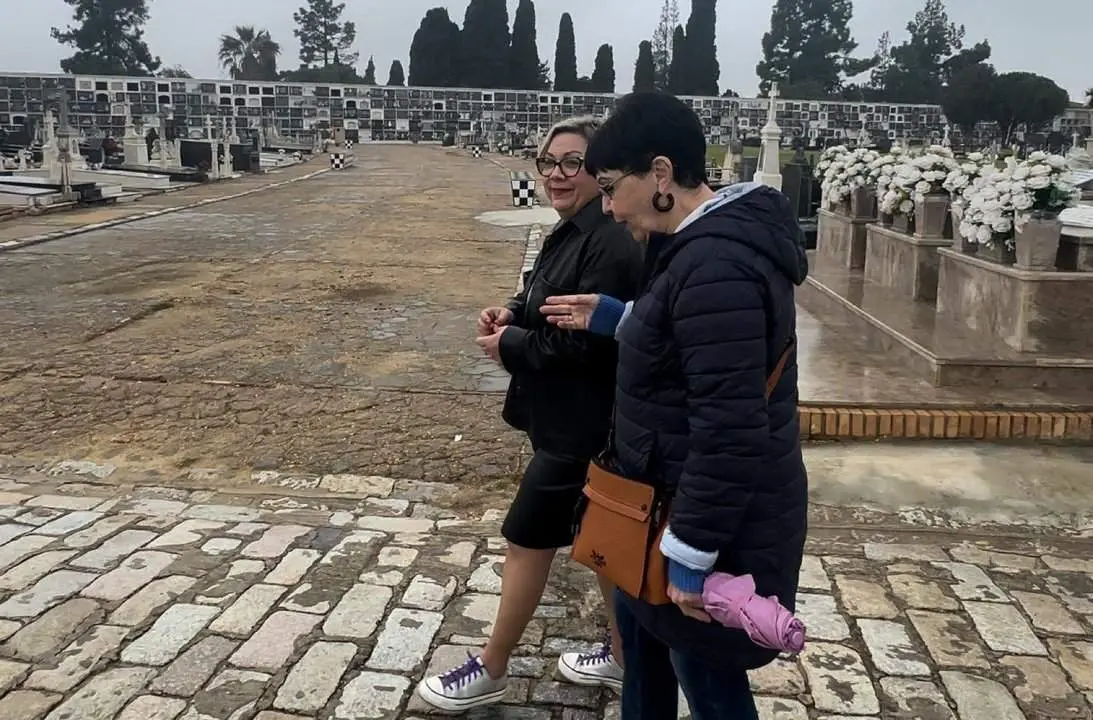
(915, 700)
(9, 531)
(973, 584)
(1004, 629)
(317, 598)
(396, 524)
(950, 639)
(51, 590)
(220, 546)
(371, 485)
(222, 513)
(275, 641)
(865, 598)
(985, 557)
(486, 577)
(821, 617)
(275, 541)
(14, 551)
(169, 634)
(187, 532)
(68, 523)
(776, 708)
(135, 572)
(405, 639)
(230, 695)
(922, 593)
(11, 673)
(812, 575)
(63, 502)
(27, 704)
(781, 677)
(113, 550)
(978, 698)
(891, 649)
(895, 552)
(393, 556)
(1076, 657)
(425, 593)
(390, 578)
(193, 668)
(1047, 613)
(246, 612)
(149, 599)
(458, 554)
(358, 613)
(1042, 689)
(33, 569)
(42, 637)
(79, 659)
(293, 566)
(838, 679)
(99, 531)
(35, 516)
(371, 696)
(355, 544)
(104, 695)
(1069, 564)
(566, 694)
(312, 681)
(151, 707)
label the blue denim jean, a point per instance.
(654, 673)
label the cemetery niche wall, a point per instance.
(99, 104)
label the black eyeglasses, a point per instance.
(608, 190)
(570, 165)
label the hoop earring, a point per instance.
(668, 203)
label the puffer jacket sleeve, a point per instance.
(612, 266)
(719, 323)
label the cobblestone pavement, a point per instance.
(153, 603)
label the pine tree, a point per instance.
(703, 69)
(484, 44)
(565, 56)
(662, 42)
(324, 39)
(524, 52)
(396, 76)
(370, 72)
(108, 37)
(434, 52)
(679, 71)
(645, 71)
(603, 74)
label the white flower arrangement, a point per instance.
(999, 202)
(842, 171)
(908, 178)
(961, 179)
(933, 166)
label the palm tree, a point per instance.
(249, 54)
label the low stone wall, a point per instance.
(906, 263)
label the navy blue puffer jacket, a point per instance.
(695, 352)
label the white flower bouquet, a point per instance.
(932, 168)
(961, 179)
(842, 171)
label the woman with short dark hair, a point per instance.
(714, 317)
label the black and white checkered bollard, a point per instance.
(337, 161)
(523, 189)
(476, 152)
(348, 144)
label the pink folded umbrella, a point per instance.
(731, 601)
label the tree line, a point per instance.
(809, 51)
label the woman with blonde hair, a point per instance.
(560, 394)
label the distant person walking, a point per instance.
(560, 394)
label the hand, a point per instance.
(493, 319)
(570, 312)
(690, 604)
(491, 345)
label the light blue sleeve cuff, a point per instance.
(625, 314)
(675, 549)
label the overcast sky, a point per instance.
(1051, 38)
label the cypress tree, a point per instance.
(645, 72)
(524, 52)
(603, 74)
(370, 72)
(679, 71)
(434, 52)
(565, 56)
(703, 70)
(484, 44)
(397, 76)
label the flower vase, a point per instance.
(996, 251)
(904, 223)
(931, 214)
(863, 203)
(885, 219)
(956, 213)
(1037, 241)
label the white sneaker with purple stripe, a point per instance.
(462, 688)
(596, 668)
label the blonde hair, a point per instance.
(583, 125)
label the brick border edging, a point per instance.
(81, 229)
(858, 423)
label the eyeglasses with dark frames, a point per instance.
(608, 190)
(570, 165)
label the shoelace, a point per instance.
(465, 673)
(601, 654)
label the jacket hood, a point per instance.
(754, 215)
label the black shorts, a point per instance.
(541, 514)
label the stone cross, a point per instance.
(772, 111)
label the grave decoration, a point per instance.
(847, 182)
(1012, 213)
(914, 194)
(962, 181)
(880, 174)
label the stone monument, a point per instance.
(769, 171)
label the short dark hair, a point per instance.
(644, 125)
